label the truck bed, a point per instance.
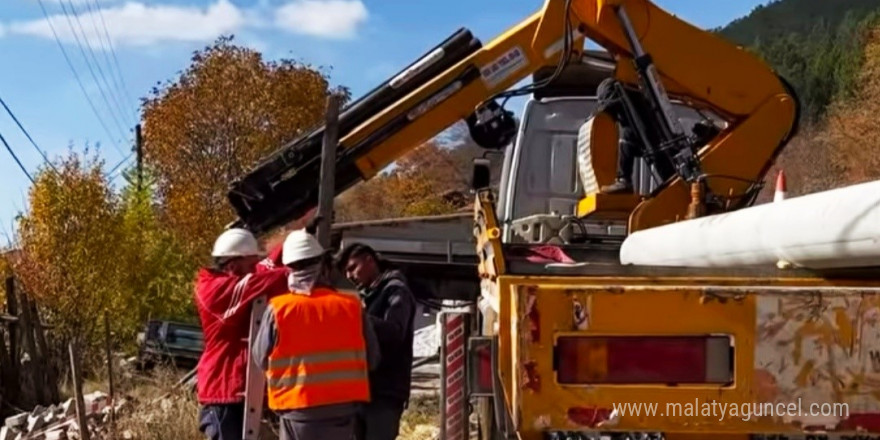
(602, 261)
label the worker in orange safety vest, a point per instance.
(316, 348)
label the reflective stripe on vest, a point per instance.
(301, 362)
(320, 353)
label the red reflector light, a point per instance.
(643, 359)
(484, 372)
(480, 376)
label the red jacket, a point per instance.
(223, 302)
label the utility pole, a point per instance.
(77, 392)
(327, 188)
(139, 151)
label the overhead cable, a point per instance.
(78, 80)
(110, 90)
(91, 70)
(9, 149)
(123, 87)
(28, 135)
(124, 160)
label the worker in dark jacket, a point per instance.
(223, 296)
(391, 309)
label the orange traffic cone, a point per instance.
(779, 196)
(780, 187)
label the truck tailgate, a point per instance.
(692, 359)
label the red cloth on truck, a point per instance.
(541, 254)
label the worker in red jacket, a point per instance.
(223, 296)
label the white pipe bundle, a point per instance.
(839, 228)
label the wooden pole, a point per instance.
(12, 378)
(109, 372)
(49, 374)
(77, 393)
(327, 188)
(12, 309)
(36, 366)
(139, 151)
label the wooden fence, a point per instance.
(27, 374)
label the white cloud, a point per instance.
(140, 25)
(59, 3)
(323, 18)
(84, 2)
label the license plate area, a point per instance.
(646, 360)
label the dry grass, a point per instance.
(177, 417)
(174, 417)
(421, 421)
(159, 412)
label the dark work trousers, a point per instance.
(380, 420)
(627, 151)
(222, 421)
(336, 428)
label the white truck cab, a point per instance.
(540, 185)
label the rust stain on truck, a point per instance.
(822, 351)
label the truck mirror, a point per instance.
(491, 126)
(481, 176)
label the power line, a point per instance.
(28, 135)
(124, 160)
(9, 149)
(110, 91)
(91, 71)
(123, 87)
(78, 80)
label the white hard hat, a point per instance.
(300, 245)
(236, 242)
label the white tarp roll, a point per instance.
(839, 228)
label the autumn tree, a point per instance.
(69, 245)
(432, 179)
(842, 149)
(86, 251)
(225, 112)
(414, 187)
(153, 272)
(809, 166)
(852, 123)
(5, 264)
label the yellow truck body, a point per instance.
(586, 349)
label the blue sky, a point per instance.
(363, 41)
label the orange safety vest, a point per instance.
(320, 355)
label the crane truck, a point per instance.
(567, 342)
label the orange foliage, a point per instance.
(852, 126)
(843, 149)
(224, 113)
(808, 164)
(68, 240)
(419, 185)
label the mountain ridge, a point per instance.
(817, 45)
